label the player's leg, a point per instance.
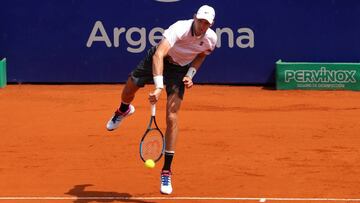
(125, 109)
(141, 75)
(128, 95)
(172, 109)
(175, 88)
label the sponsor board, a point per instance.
(318, 76)
(3, 73)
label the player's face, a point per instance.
(200, 26)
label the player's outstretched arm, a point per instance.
(158, 67)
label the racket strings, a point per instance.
(152, 145)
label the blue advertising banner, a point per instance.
(102, 41)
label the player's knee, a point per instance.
(171, 119)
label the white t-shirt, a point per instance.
(185, 45)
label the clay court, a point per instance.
(238, 142)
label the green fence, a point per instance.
(3, 81)
(317, 76)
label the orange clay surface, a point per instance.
(233, 141)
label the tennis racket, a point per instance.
(152, 144)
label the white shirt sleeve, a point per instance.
(212, 37)
(174, 32)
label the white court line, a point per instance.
(262, 199)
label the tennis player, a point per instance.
(173, 62)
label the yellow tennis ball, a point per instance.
(150, 163)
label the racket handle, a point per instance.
(153, 109)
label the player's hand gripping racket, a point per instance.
(152, 145)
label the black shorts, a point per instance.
(173, 74)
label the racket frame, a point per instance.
(148, 129)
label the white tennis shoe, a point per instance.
(118, 117)
(166, 187)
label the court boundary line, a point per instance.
(259, 199)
